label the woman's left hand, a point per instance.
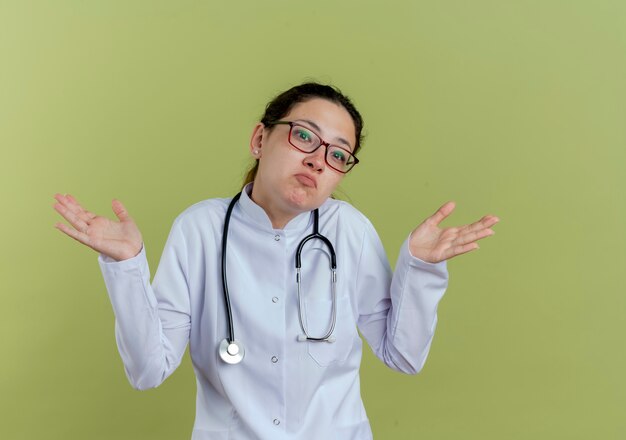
(433, 244)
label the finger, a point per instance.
(459, 250)
(88, 214)
(72, 218)
(73, 200)
(73, 206)
(442, 213)
(485, 222)
(120, 210)
(76, 235)
(489, 220)
(69, 202)
(471, 237)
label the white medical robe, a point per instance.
(283, 388)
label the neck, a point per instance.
(279, 217)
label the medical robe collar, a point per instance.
(259, 216)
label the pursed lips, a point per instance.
(306, 180)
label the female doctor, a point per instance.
(278, 356)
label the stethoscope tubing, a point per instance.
(232, 351)
(231, 331)
(333, 268)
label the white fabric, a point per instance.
(311, 389)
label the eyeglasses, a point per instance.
(307, 141)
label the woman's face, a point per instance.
(289, 180)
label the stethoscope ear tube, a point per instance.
(316, 234)
(327, 337)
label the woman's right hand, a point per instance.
(119, 240)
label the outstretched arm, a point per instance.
(151, 325)
(400, 325)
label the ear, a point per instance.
(256, 141)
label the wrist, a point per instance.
(131, 253)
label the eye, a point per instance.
(338, 156)
(302, 134)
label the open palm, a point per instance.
(433, 244)
(119, 240)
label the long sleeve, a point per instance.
(152, 322)
(398, 315)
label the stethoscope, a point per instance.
(232, 351)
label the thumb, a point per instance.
(444, 211)
(120, 210)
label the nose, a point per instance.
(316, 160)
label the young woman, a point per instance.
(270, 312)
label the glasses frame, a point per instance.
(322, 143)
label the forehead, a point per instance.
(332, 121)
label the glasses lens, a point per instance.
(303, 138)
(340, 159)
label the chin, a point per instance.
(302, 199)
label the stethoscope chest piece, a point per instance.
(231, 352)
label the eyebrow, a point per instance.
(317, 127)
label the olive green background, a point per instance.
(516, 109)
